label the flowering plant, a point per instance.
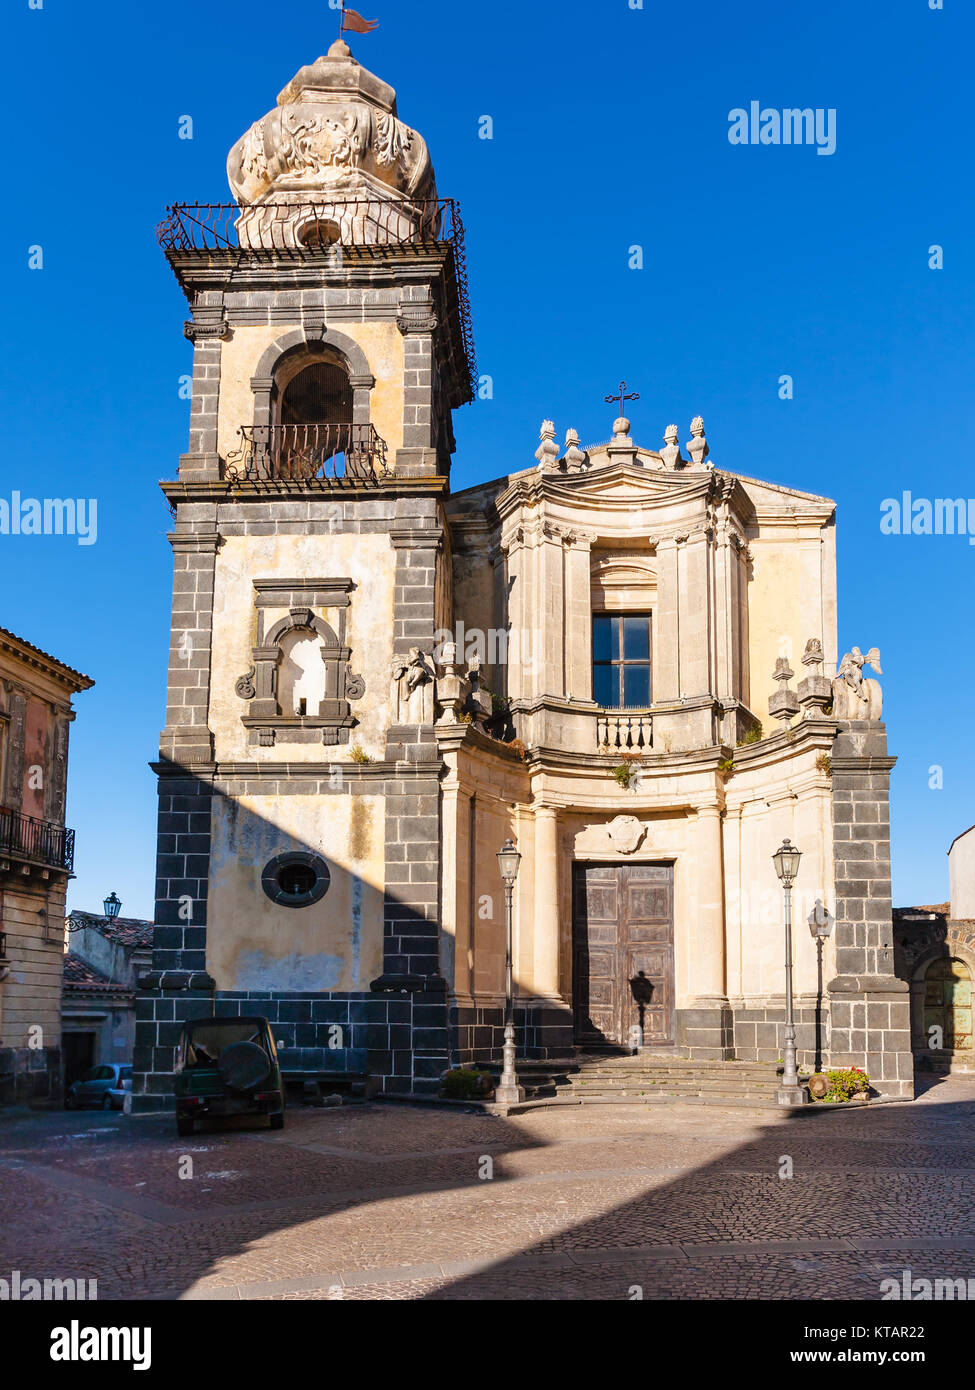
(845, 1082)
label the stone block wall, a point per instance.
(541, 1031)
(706, 1032)
(869, 1006)
(759, 1031)
(399, 1039)
(402, 1036)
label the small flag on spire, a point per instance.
(354, 22)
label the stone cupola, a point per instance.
(332, 162)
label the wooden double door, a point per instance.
(623, 954)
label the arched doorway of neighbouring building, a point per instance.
(947, 1005)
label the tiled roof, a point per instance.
(60, 667)
(127, 931)
(81, 975)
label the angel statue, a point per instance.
(415, 667)
(854, 695)
(411, 674)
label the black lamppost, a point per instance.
(786, 860)
(820, 925)
(508, 1092)
(112, 906)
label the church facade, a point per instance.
(376, 681)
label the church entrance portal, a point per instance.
(623, 954)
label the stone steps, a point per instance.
(675, 1098)
(648, 1078)
(656, 1083)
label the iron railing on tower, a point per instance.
(307, 453)
(367, 226)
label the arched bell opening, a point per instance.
(318, 393)
(314, 410)
(311, 412)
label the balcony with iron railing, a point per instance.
(329, 232)
(307, 453)
(33, 842)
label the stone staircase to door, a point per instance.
(647, 1078)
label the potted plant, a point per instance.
(840, 1084)
(467, 1083)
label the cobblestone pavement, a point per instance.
(398, 1202)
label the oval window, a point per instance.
(297, 879)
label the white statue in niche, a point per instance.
(301, 674)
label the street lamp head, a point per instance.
(509, 861)
(786, 860)
(112, 905)
(820, 921)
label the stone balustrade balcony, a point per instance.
(579, 726)
(624, 731)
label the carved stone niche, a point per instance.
(264, 684)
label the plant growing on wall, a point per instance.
(358, 755)
(625, 771)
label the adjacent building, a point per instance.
(935, 956)
(104, 959)
(375, 681)
(36, 862)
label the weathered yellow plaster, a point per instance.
(334, 944)
(381, 342)
(370, 562)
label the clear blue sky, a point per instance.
(610, 130)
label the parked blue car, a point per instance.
(103, 1087)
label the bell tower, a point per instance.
(298, 853)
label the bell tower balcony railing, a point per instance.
(323, 229)
(39, 842)
(307, 453)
